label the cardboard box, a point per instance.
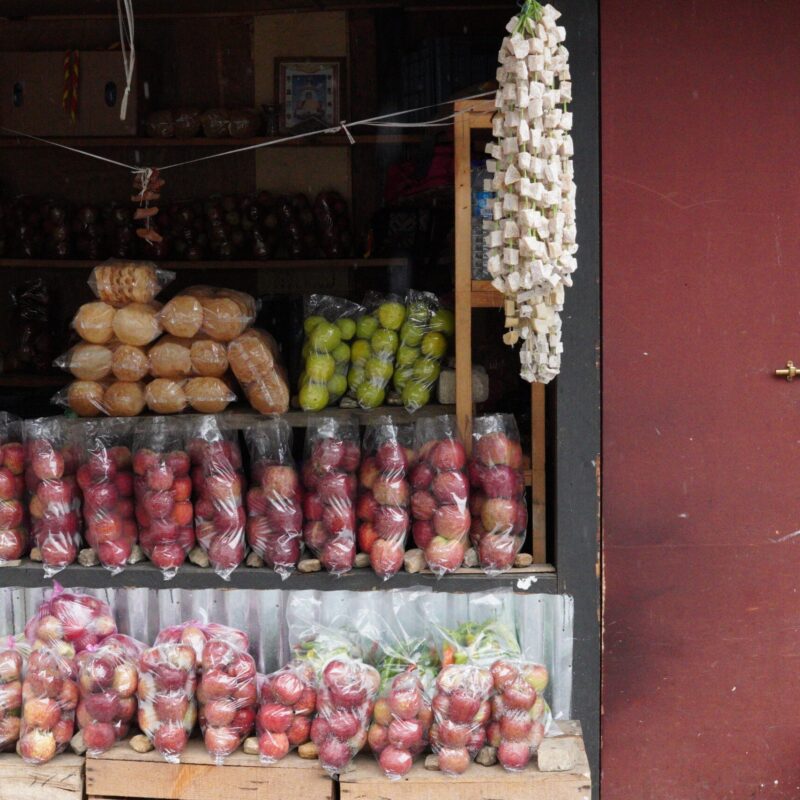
(32, 87)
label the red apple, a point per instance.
(320, 730)
(451, 487)
(463, 706)
(452, 522)
(37, 746)
(444, 555)
(14, 457)
(423, 533)
(299, 730)
(516, 726)
(273, 746)
(423, 505)
(395, 761)
(334, 754)
(386, 557)
(513, 755)
(391, 522)
(519, 695)
(502, 481)
(281, 482)
(406, 734)
(448, 454)
(421, 476)
(99, 737)
(274, 717)
(497, 448)
(170, 739)
(454, 760)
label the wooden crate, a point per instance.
(367, 781)
(123, 773)
(59, 779)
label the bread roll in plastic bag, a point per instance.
(166, 692)
(87, 362)
(137, 323)
(163, 491)
(129, 362)
(206, 395)
(287, 701)
(221, 314)
(275, 497)
(105, 478)
(440, 494)
(54, 503)
(14, 539)
(218, 492)
(498, 507)
(173, 357)
(329, 327)
(13, 657)
(94, 322)
(92, 398)
(108, 679)
(332, 457)
(119, 282)
(384, 494)
(254, 360)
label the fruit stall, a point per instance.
(299, 416)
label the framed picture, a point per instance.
(310, 92)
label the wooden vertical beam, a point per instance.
(538, 478)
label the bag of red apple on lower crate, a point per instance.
(14, 654)
(14, 538)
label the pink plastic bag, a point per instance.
(384, 520)
(287, 701)
(440, 494)
(13, 513)
(332, 456)
(105, 478)
(50, 696)
(497, 503)
(55, 501)
(274, 500)
(166, 692)
(163, 492)
(218, 484)
(13, 654)
(107, 680)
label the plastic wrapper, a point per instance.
(163, 491)
(171, 357)
(105, 478)
(198, 632)
(218, 486)
(93, 322)
(227, 692)
(440, 494)
(255, 361)
(346, 685)
(93, 398)
(121, 282)
(107, 680)
(497, 504)
(86, 361)
(329, 328)
(135, 324)
(187, 122)
(216, 123)
(287, 701)
(374, 349)
(160, 124)
(244, 123)
(54, 496)
(13, 656)
(206, 395)
(332, 457)
(13, 513)
(220, 314)
(49, 700)
(333, 225)
(166, 692)
(384, 495)
(275, 497)
(423, 345)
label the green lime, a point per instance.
(341, 353)
(369, 395)
(384, 342)
(320, 367)
(406, 356)
(378, 370)
(313, 397)
(391, 315)
(347, 328)
(337, 386)
(434, 345)
(366, 326)
(415, 395)
(325, 337)
(426, 371)
(360, 351)
(311, 323)
(443, 321)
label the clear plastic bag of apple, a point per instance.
(108, 679)
(275, 497)
(440, 493)
(227, 691)
(166, 693)
(374, 348)
(330, 468)
(14, 538)
(287, 702)
(346, 685)
(54, 496)
(14, 652)
(69, 622)
(329, 329)
(424, 341)
(105, 478)
(218, 492)
(384, 494)
(497, 504)
(163, 491)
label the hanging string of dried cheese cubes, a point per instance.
(532, 244)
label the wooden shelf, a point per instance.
(244, 417)
(484, 295)
(133, 142)
(312, 263)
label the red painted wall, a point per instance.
(701, 454)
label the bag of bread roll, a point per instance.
(93, 322)
(253, 357)
(220, 314)
(93, 398)
(174, 357)
(86, 361)
(129, 362)
(119, 282)
(206, 395)
(137, 323)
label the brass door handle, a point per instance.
(790, 373)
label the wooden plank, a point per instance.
(538, 476)
(463, 278)
(59, 779)
(123, 773)
(313, 263)
(484, 295)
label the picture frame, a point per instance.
(311, 92)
